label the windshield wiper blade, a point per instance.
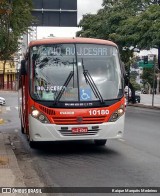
(92, 84)
(63, 88)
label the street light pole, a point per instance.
(154, 71)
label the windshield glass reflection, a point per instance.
(58, 72)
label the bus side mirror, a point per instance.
(23, 70)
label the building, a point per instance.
(27, 38)
(9, 72)
(8, 76)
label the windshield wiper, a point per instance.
(91, 83)
(63, 88)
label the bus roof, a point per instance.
(56, 40)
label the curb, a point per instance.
(11, 175)
(144, 106)
(8, 91)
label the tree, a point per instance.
(136, 25)
(142, 30)
(147, 77)
(108, 20)
(129, 23)
(13, 23)
(90, 29)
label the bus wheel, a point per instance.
(32, 144)
(100, 142)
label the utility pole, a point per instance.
(154, 71)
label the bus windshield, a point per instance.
(75, 72)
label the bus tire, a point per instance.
(100, 142)
(32, 144)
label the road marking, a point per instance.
(122, 140)
(8, 108)
(1, 121)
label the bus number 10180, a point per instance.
(98, 112)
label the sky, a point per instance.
(83, 7)
(148, 52)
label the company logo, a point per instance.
(67, 113)
(79, 119)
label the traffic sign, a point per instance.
(55, 13)
(150, 64)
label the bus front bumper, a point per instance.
(52, 132)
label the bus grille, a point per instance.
(74, 120)
(47, 110)
(69, 132)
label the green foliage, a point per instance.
(21, 17)
(136, 86)
(133, 75)
(13, 25)
(147, 76)
(128, 23)
(142, 30)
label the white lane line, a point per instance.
(8, 108)
(122, 140)
(11, 107)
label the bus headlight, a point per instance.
(118, 113)
(39, 116)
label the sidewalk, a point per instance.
(10, 174)
(148, 101)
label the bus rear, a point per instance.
(72, 89)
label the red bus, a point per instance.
(72, 89)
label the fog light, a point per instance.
(41, 117)
(119, 133)
(115, 116)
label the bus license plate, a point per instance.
(79, 129)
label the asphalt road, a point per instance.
(129, 162)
